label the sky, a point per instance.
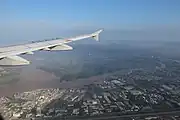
(22, 20)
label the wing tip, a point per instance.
(95, 35)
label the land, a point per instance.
(101, 80)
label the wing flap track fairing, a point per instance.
(61, 47)
(13, 60)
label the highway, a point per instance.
(114, 116)
(170, 113)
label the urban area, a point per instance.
(138, 94)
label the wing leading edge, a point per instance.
(9, 55)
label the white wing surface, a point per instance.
(9, 55)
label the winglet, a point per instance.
(95, 35)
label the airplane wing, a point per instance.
(9, 55)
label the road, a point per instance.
(126, 116)
(115, 116)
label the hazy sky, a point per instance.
(22, 20)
